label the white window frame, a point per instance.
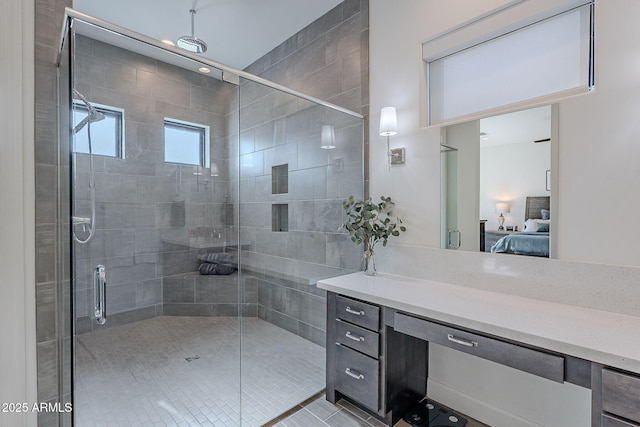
(205, 153)
(107, 110)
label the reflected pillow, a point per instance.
(530, 226)
(545, 214)
(535, 225)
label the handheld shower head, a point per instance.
(93, 115)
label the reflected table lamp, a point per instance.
(502, 207)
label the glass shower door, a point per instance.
(195, 259)
(298, 161)
(156, 335)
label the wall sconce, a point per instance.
(214, 169)
(389, 127)
(328, 137)
(502, 207)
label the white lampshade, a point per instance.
(388, 121)
(503, 207)
(328, 137)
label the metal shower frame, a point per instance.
(229, 74)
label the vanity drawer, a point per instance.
(621, 394)
(608, 421)
(358, 338)
(357, 376)
(358, 313)
(536, 362)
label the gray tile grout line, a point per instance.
(144, 372)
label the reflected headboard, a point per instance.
(534, 205)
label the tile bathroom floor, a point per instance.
(186, 371)
(318, 412)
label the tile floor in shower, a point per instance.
(138, 374)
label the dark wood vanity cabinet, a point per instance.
(370, 364)
(377, 358)
(616, 398)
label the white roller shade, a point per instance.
(541, 59)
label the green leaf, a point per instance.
(368, 222)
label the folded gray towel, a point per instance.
(207, 268)
(217, 257)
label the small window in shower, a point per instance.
(280, 179)
(280, 217)
(186, 143)
(107, 130)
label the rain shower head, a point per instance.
(192, 43)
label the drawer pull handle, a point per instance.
(352, 311)
(354, 374)
(353, 337)
(461, 341)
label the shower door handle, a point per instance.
(451, 235)
(100, 294)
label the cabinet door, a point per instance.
(363, 340)
(608, 421)
(358, 312)
(526, 359)
(357, 376)
(621, 394)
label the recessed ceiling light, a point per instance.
(204, 70)
(169, 42)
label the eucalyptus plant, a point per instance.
(369, 223)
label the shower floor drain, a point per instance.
(192, 358)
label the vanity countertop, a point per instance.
(599, 336)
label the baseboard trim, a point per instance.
(475, 408)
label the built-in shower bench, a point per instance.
(193, 294)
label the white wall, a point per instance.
(17, 211)
(599, 146)
(510, 173)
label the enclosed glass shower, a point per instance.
(198, 207)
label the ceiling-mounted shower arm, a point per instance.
(193, 25)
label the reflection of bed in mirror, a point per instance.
(534, 240)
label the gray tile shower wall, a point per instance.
(197, 295)
(328, 60)
(52, 333)
(153, 218)
(296, 307)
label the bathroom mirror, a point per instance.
(496, 184)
